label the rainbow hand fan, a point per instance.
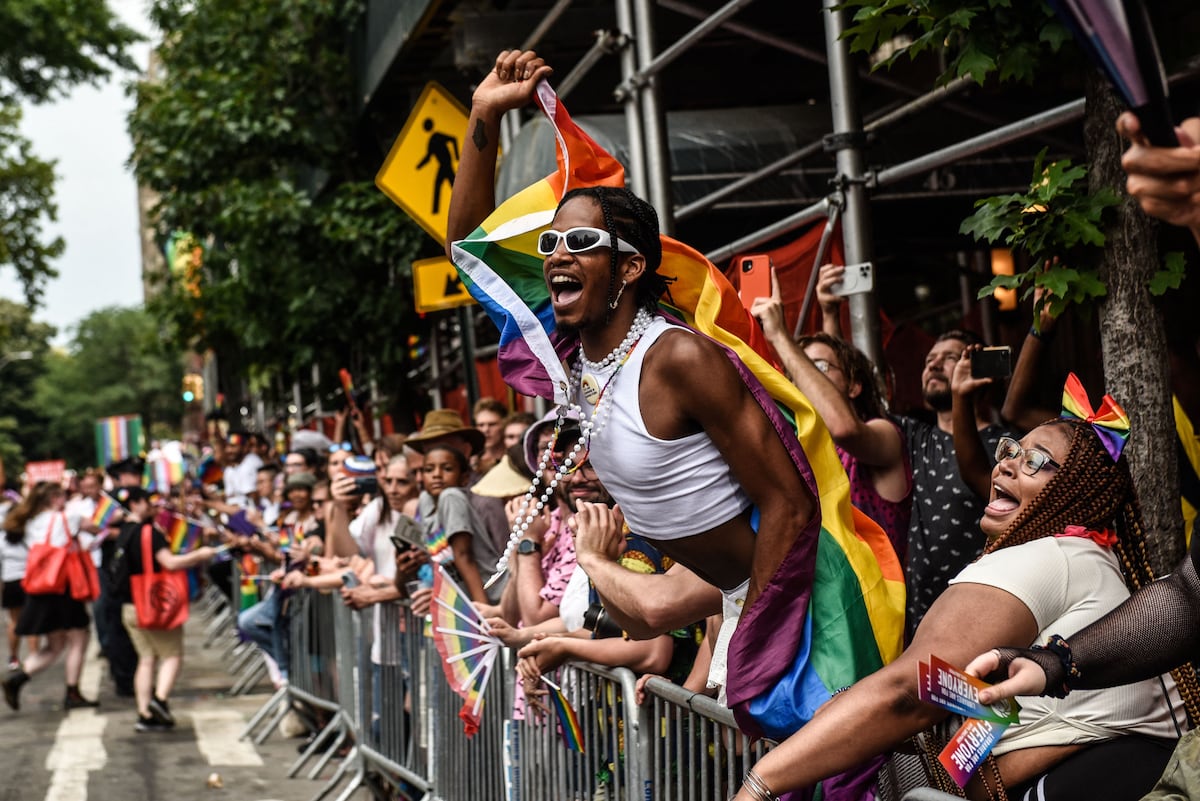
(466, 644)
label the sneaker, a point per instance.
(14, 663)
(160, 711)
(73, 700)
(12, 687)
(150, 724)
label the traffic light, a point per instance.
(193, 388)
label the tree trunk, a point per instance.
(1133, 338)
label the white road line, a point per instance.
(79, 744)
(217, 732)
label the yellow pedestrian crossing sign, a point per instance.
(418, 173)
(436, 285)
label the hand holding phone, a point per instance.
(754, 278)
(401, 545)
(856, 280)
(994, 362)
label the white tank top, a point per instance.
(667, 488)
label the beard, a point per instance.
(940, 400)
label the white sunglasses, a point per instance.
(579, 240)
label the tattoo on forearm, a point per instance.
(480, 136)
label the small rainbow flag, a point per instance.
(211, 472)
(182, 534)
(106, 509)
(161, 474)
(248, 587)
(466, 644)
(568, 721)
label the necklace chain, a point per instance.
(589, 426)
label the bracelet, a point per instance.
(757, 788)
(1061, 649)
(1041, 336)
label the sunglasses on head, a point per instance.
(344, 446)
(579, 240)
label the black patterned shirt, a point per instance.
(943, 534)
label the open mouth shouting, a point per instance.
(565, 289)
(1002, 502)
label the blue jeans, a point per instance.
(266, 625)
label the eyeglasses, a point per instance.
(824, 365)
(1031, 460)
(344, 446)
(580, 240)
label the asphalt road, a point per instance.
(49, 755)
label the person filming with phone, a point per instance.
(847, 391)
(370, 534)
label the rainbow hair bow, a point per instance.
(1109, 422)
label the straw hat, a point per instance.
(441, 423)
(300, 481)
(508, 478)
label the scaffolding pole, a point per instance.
(816, 211)
(632, 104)
(680, 46)
(848, 140)
(606, 42)
(658, 156)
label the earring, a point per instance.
(613, 303)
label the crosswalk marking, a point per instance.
(217, 732)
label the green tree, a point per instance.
(117, 363)
(24, 348)
(990, 38)
(251, 138)
(47, 47)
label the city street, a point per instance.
(97, 754)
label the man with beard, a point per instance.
(942, 535)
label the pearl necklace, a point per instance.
(589, 426)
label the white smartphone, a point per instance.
(856, 279)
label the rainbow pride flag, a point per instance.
(118, 438)
(106, 509)
(837, 611)
(248, 586)
(182, 534)
(161, 474)
(568, 721)
(466, 644)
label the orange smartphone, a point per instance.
(754, 278)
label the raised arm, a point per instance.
(973, 463)
(872, 442)
(510, 85)
(1018, 407)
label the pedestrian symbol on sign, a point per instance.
(439, 148)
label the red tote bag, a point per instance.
(82, 578)
(46, 567)
(160, 599)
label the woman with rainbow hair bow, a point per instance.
(1065, 546)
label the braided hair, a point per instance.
(1093, 491)
(629, 217)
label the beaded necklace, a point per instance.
(589, 426)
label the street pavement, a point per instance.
(49, 755)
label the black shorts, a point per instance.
(14, 595)
(44, 614)
(1121, 769)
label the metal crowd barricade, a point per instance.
(613, 732)
(696, 749)
(393, 702)
(462, 768)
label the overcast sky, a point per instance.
(96, 195)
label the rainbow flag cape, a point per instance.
(106, 508)
(466, 644)
(568, 721)
(838, 613)
(118, 438)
